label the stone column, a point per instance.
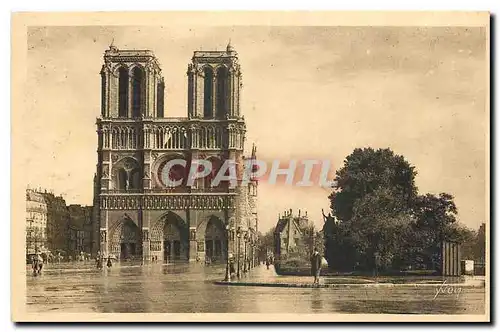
(130, 94)
(232, 94)
(103, 241)
(214, 95)
(193, 248)
(199, 94)
(147, 157)
(145, 245)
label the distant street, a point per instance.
(187, 288)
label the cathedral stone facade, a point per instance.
(138, 215)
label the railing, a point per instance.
(171, 134)
(170, 201)
(180, 190)
(123, 191)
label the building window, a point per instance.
(135, 179)
(222, 92)
(103, 94)
(122, 92)
(160, 93)
(122, 179)
(137, 86)
(208, 92)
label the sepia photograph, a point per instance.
(250, 166)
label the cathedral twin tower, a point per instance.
(133, 87)
(139, 216)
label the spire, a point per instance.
(112, 46)
(229, 47)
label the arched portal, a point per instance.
(215, 240)
(125, 238)
(170, 238)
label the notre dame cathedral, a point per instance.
(137, 215)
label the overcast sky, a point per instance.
(311, 92)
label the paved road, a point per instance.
(186, 288)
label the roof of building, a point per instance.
(300, 223)
(34, 196)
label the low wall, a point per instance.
(306, 271)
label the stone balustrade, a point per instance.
(168, 201)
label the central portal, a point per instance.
(170, 239)
(215, 241)
(171, 250)
(127, 250)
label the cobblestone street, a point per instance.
(186, 288)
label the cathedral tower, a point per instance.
(132, 84)
(214, 84)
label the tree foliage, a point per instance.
(378, 219)
(368, 170)
(266, 243)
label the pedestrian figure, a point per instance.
(109, 264)
(40, 263)
(34, 265)
(232, 269)
(268, 262)
(99, 260)
(316, 265)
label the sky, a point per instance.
(308, 93)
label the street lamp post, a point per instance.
(250, 253)
(254, 251)
(228, 270)
(238, 235)
(245, 240)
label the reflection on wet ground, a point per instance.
(189, 288)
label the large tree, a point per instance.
(368, 170)
(378, 219)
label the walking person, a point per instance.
(316, 265)
(34, 265)
(109, 264)
(99, 260)
(232, 269)
(39, 263)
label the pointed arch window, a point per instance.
(160, 93)
(222, 92)
(208, 92)
(122, 179)
(137, 87)
(103, 94)
(135, 179)
(122, 92)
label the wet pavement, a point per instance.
(190, 288)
